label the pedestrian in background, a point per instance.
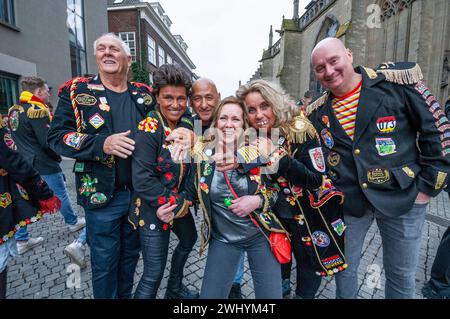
(29, 121)
(24, 198)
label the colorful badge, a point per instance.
(14, 120)
(150, 124)
(409, 172)
(148, 99)
(5, 200)
(317, 159)
(378, 175)
(339, 226)
(332, 262)
(387, 124)
(74, 139)
(85, 99)
(326, 120)
(333, 159)
(327, 138)
(96, 87)
(23, 193)
(79, 167)
(88, 185)
(98, 198)
(320, 239)
(96, 121)
(385, 146)
(9, 141)
(207, 170)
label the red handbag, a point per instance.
(279, 242)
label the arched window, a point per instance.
(390, 8)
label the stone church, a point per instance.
(376, 31)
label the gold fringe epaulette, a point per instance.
(35, 112)
(317, 103)
(16, 107)
(404, 73)
(299, 130)
(2, 125)
(371, 73)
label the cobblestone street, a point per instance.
(44, 271)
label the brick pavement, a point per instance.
(45, 271)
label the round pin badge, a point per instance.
(140, 100)
(333, 159)
(208, 152)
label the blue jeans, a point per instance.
(400, 236)
(155, 248)
(240, 271)
(57, 185)
(223, 261)
(114, 248)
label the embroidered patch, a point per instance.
(333, 159)
(408, 172)
(327, 138)
(326, 121)
(96, 87)
(74, 139)
(9, 141)
(98, 198)
(438, 114)
(378, 175)
(88, 185)
(385, 146)
(85, 99)
(148, 99)
(320, 239)
(150, 125)
(317, 159)
(445, 144)
(23, 193)
(387, 124)
(5, 200)
(14, 120)
(339, 226)
(96, 120)
(441, 121)
(446, 152)
(207, 170)
(79, 167)
(204, 187)
(440, 180)
(444, 128)
(332, 262)
(445, 135)
(435, 106)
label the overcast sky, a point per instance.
(226, 38)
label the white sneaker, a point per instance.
(76, 251)
(81, 222)
(24, 246)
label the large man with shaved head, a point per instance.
(387, 144)
(94, 123)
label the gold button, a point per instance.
(365, 186)
(357, 151)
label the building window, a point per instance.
(75, 24)
(9, 91)
(169, 59)
(7, 12)
(130, 39)
(151, 49)
(161, 56)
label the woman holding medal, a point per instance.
(236, 208)
(157, 181)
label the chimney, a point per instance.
(295, 9)
(270, 37)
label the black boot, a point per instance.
(175, 287)
(235, 292)
(182, 292)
